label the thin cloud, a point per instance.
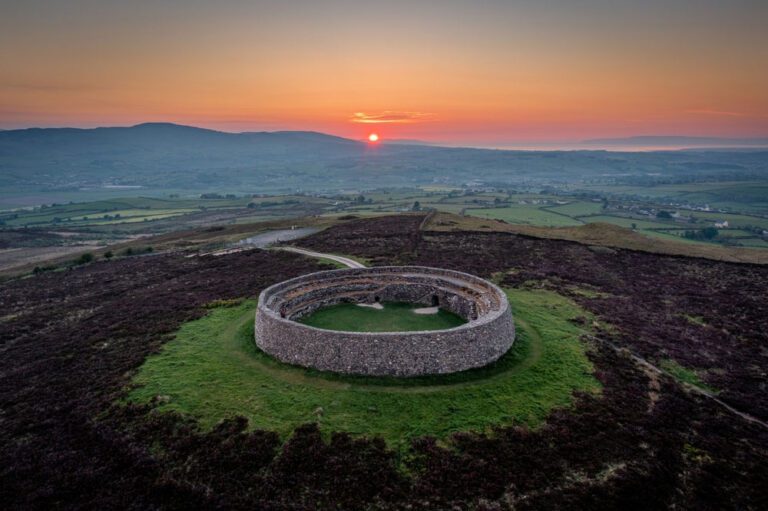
(391, 117)
(724, 113)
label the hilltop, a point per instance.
(136, 379)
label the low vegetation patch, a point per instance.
(213, 370)
(685, 374)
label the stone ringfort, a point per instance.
(487, 335)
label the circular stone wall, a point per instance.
(487, 335)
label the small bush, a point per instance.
(84, 259)
(136, 251)
(224, 303)
(42, 269)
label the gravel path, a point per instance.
(339, 259)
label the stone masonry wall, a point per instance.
(488, 334)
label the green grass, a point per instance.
(627, 222)
(670, 236)
(332, 262)
(677, 236)
(576, 209)
(394, 317)
(695, 320)
(743, 196)
(135, 209)
(444, 206)
(213, 370)
(128, 213)
(733, 220)
(723, 233)
(130, 220)
(754, 243)
(684, 374)
(130, 210)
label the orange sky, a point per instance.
(462, 72)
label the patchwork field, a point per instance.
(751, 196)
(110, 220)
(580, 213)
(147, 209)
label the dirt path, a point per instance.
(691, 388)
(339, 259)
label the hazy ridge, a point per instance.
(162, 155)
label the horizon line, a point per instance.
(601, 143)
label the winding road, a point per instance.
(339, 259)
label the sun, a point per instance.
(373, 137)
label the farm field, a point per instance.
(524, 214)
(738, 195)
(579, 213)
(445, 206)
(130, 210)
(627, 222)
(733, 220)
(19, 198)
(671, 235)
(755, 243)
(123, 219)
(528, 208)
(578, 209)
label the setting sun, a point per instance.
(373, 137)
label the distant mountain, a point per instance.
(677, 141)
(408, 141)
(162, 156)
(155, 153)
(170, 137)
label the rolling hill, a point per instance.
(162, 156)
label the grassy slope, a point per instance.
(578, 213)
(601, 234)
(213, 370)
(394, 317)
(627, 222)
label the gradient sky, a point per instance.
(481, 72)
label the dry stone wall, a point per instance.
(487, 335)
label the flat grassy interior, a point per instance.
(212, 369)
(394, 317)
